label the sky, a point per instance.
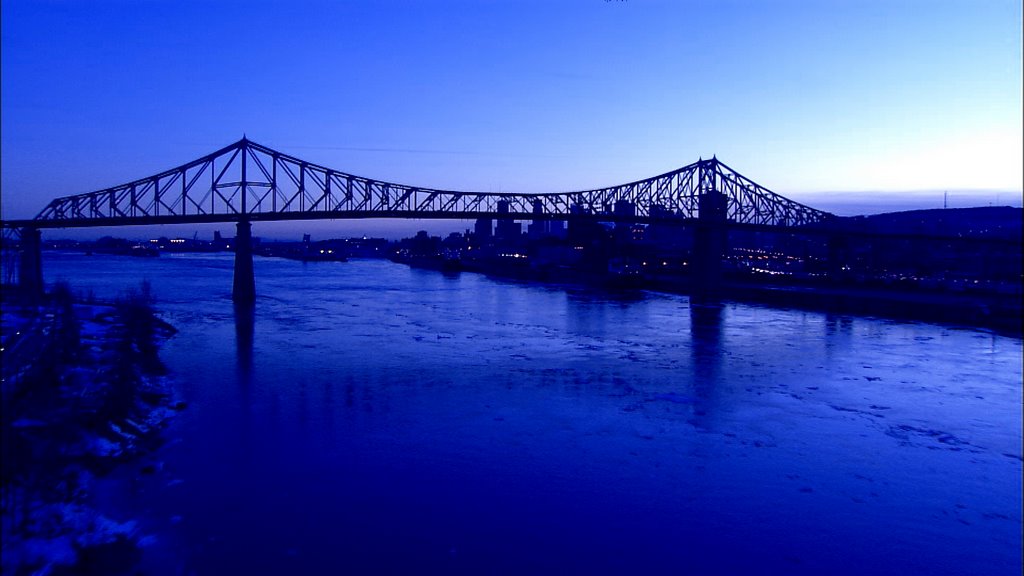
(848, 106)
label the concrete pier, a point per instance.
(30, 265)
(244, 288)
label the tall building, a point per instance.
(507, 229)
(483, 229)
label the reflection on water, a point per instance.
(245, 326)
(378, 419)
(706, 341)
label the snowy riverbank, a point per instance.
(83, 392)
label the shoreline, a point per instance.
(83, 394)
(998, 312)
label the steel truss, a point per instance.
(249, 181)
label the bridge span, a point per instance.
(247, 182)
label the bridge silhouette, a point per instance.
(247, 182)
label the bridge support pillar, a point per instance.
(709, 243)
(30, 266)
(244, 288)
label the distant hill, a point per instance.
(1002, 222)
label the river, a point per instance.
(366, 417)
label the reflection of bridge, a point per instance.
(247, 182)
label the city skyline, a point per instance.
(845, 107)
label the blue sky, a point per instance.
(844, 105)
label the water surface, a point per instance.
(365, 417)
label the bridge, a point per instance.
(247, 182)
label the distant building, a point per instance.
(507, 229)
(556, 228)
(543, 228)
(625, 208)
(483, 229)
(219, 243)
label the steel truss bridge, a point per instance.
(247, 181)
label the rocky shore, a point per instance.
(84, 391)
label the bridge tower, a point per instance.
(711, 233)
(243, 289)
(30, 267)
